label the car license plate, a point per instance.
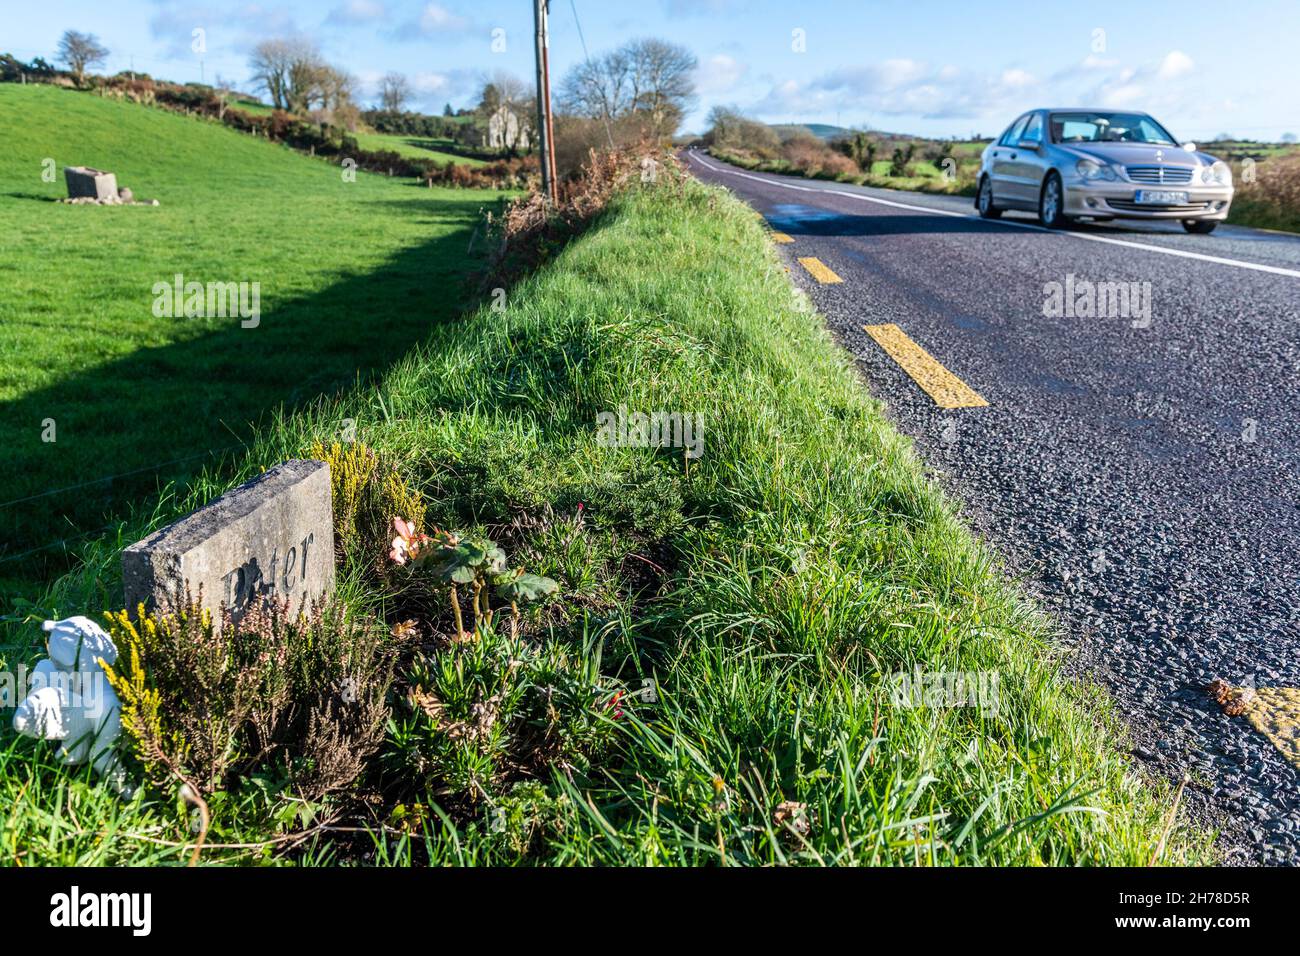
(1160, 197)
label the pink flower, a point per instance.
(613, 705)
(407, 544)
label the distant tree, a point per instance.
(942, 154)
(223, 88)
(489, 99)
(336, 95)
(649, 77)
(901, 159)
(1288, 137)
(505, 90)
(730, 128)
(290, 71)
(860, 148)
(448, 111)
(394, 92)
(81, 50)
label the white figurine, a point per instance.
(72, 701)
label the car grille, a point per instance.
(1160, 175)
(1127, 206)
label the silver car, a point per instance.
(1068, 164)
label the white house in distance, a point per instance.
(506, 129)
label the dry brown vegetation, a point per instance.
(1272, 201)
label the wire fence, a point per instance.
(155, 468)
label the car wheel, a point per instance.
(985, 201)
(1051, 203)
(1199, 226)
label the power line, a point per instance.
(573, 5)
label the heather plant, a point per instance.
(298, 697)
(366, 490)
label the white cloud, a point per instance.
(1094, 61)
(430, 82)
(719, 74)
(358, 11)
(902, 87)
(1016, 79)
(1175, 64)
(435, 18)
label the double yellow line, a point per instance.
(947, 390)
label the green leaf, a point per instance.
(458, 573)
(527, 587)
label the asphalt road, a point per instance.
(1139, 474)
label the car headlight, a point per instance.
(1091, 169)
(1218, 174)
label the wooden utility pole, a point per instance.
(545, 129)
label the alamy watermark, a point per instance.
(624, 429)
(179, 299)
(917, 689)
(1080, 298)
(90, 687)
(78, 908)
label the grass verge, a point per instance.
(926, 179)
(765, 595)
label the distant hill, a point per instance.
(828, 132)
(820, 130)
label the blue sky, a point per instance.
(934, 68)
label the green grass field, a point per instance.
(351, 275)
(415, 147)
(767, 593)
(251, 108)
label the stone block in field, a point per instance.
(270, 537)
(86, 183)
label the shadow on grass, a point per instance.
(126, 429)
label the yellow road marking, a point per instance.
(947, 390)
(781, 237)
(819, 271)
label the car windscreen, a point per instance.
(1108, 128)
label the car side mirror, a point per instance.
(1190, 147)
(1031, 144)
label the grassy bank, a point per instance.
(345, 268)
(730, 627)
(922, 176)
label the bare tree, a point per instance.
(598, 89)
(394, 91)
(513, 92)
(663, 84)
(224, 88)
(650, 77)
(336, 93)
(290, 71)
(81, 50)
